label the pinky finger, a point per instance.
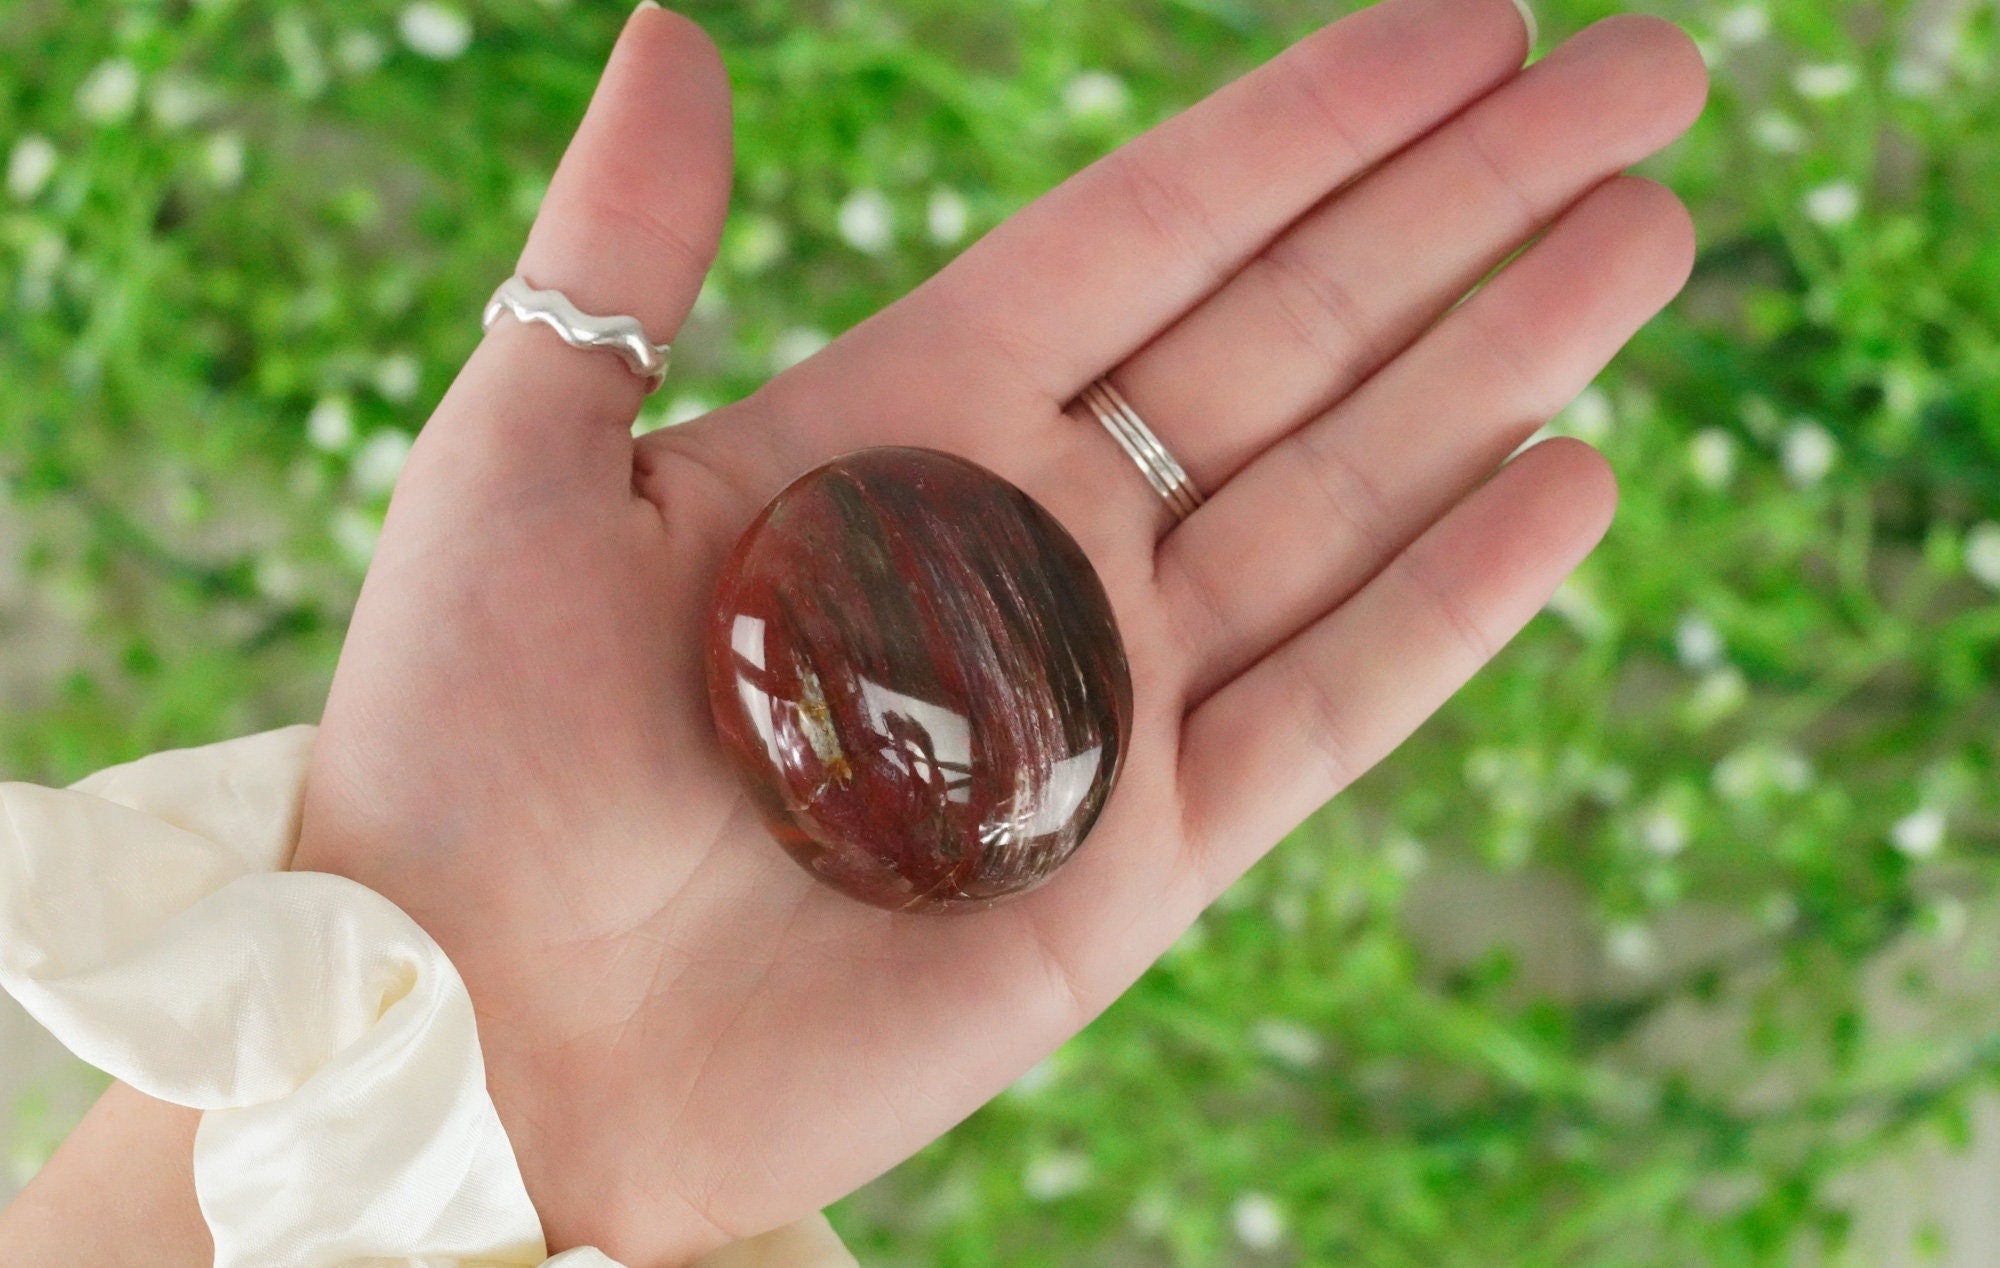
(1270, 747)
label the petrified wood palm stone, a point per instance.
(917, 672)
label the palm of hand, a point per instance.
(691, 1040)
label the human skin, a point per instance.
(688, 1039)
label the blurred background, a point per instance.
(1671, 941)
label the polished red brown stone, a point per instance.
(918, 673)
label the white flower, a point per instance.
(222, 157)
(1712, 457)
(1779, 911)
(1918, 77)
(1631, 947)
(1757, 769)
(1406, 856)
(1697, 643)
(759, 242)
(1928, 58)
(380, 461)
(1779, 133)
(355, 534)
(1809, 453)
(1745, 24)
(1760, 417)
(109, 92)
(278, 578)
(330, 426)
(947, 217)
(526, 198)
(1982, 554)
(176, 100)
(1574, 603)
(1055, 1176)
(1919, 834)
(1904, 391)
(1487, 768)
(300, 53)
(795, 345)
(1825, 81)
(866, 221)
(397, 376)
(1096, 94)
(434, 30)
(30, 165)
(1611, 784)
(1664, 832)
(1948, 918)
(1737, 777)
(1288, 1042)
(1790, 770)
(1588, 417)
(1833, 205)
(1720, 692)
(1258, 1220)
(359, 52)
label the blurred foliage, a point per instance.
(1745, 765)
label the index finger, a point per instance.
(1088, 273)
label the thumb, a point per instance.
(629, 226)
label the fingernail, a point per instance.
(654, 4)
(1534, 27)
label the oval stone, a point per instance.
(918, 673)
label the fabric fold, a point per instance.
(146, 921)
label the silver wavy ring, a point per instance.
(622, 335)
(1168, 478)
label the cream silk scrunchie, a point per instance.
(146, 921)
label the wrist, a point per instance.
(576, 1149)
(120, 1191)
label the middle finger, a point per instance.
(1355, 281)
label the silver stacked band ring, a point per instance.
(622, 335)
(1168, 478)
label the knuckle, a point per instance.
(1328, 727)
(1168, 208)
(1201, 620)
(1348, 491)
(1312, 83)
(654, 232)
(1324, 315)
(1534, 390)
(1501, 179)
(1420, 578)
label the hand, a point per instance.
(688, 1038)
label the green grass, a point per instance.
(238, 289)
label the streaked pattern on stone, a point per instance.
(919, 675)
